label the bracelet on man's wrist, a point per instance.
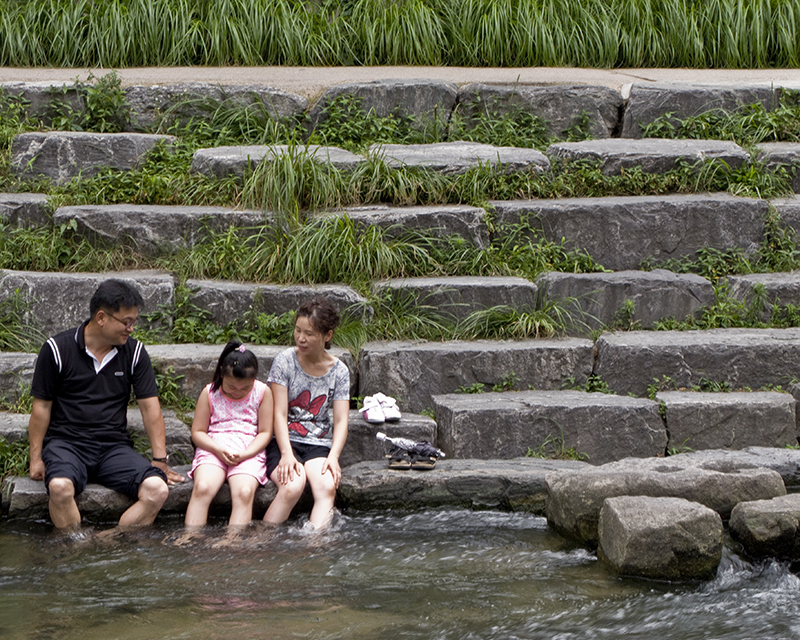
(164, 459)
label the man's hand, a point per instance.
(37, 469)
(173, 477)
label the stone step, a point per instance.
(788, 210)
(647, 102)
(439, 221)
(596, 300)
(25, 209)
(768, 528)
(779, 288)
(651, 155)
(227, 302)
(457, 297)
(593, 110)
(53, 302)
(716, 479)
(221, 162)
(453, 158)
(61, 156)
(156, 229)
(414, 372)
(623, 232)
(754, 358)
(506, 425)
(481, 484)
(782, 155)
(736, 420)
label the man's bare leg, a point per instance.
(153, 493)
(63, 508)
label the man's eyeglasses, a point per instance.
(129, 324)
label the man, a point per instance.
(78, 425)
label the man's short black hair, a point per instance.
(113, 294)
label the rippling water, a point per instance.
(449, 574)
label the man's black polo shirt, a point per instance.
(89, 405)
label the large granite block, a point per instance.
(516, 485)
(575, 498)
(414, 372)
(441, 221)
(43, 99)
(424, 102)
(652, 155)
(200, 100)
(221, 162)
(229, 301)
(453, 158)
(156, 229)
(660, 538)
(622, 232)
(595, 300)
(561, 107)
(785, 155)
(729, 420)
(55, 302)
(649, 101)
(61, 156)
(505, 425)
(456, 297)
(754, 358)
(768, 528)
(25, 209)
(781, 288)
(789, 211)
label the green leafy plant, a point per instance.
(507, 382)
(14, 457)
(554, 447)
(475, 387)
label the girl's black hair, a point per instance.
(322, 315)
(236, 363)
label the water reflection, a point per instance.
(449, 574)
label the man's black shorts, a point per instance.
(116, 466)
(303, 452)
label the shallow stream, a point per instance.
(449, 574)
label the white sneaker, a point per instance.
(372, 411)
(389, 407)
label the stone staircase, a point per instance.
(529, 386)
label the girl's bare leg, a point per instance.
(288, 494)
(243, 492)
(324, 493)
(208, 479)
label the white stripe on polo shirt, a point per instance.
(56, 353)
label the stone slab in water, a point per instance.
(16, 374)
(199, 100)
(25, 209)
(784, 155)
(660, 538)
(54, 302)
(505, 425)
(516, 485)
(414, 372)
(440, 221)
(43, 99)
(590, 109)
(452, 158)
(156, 229)
(768, 528)
(652, 155)
(623, 232)
(61, 156)
(729, 420)
(753, 358)
(649, 101)
(426, 102)
(456, 297)
(228, 301)
(595, 300)
(575, 498)
(221, 162)
(192, 365)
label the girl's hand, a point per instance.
(287, 467)
(229, 457)
(332, 464)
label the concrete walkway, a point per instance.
(311, 81)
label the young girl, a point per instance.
(232, 425)
(311, 391)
